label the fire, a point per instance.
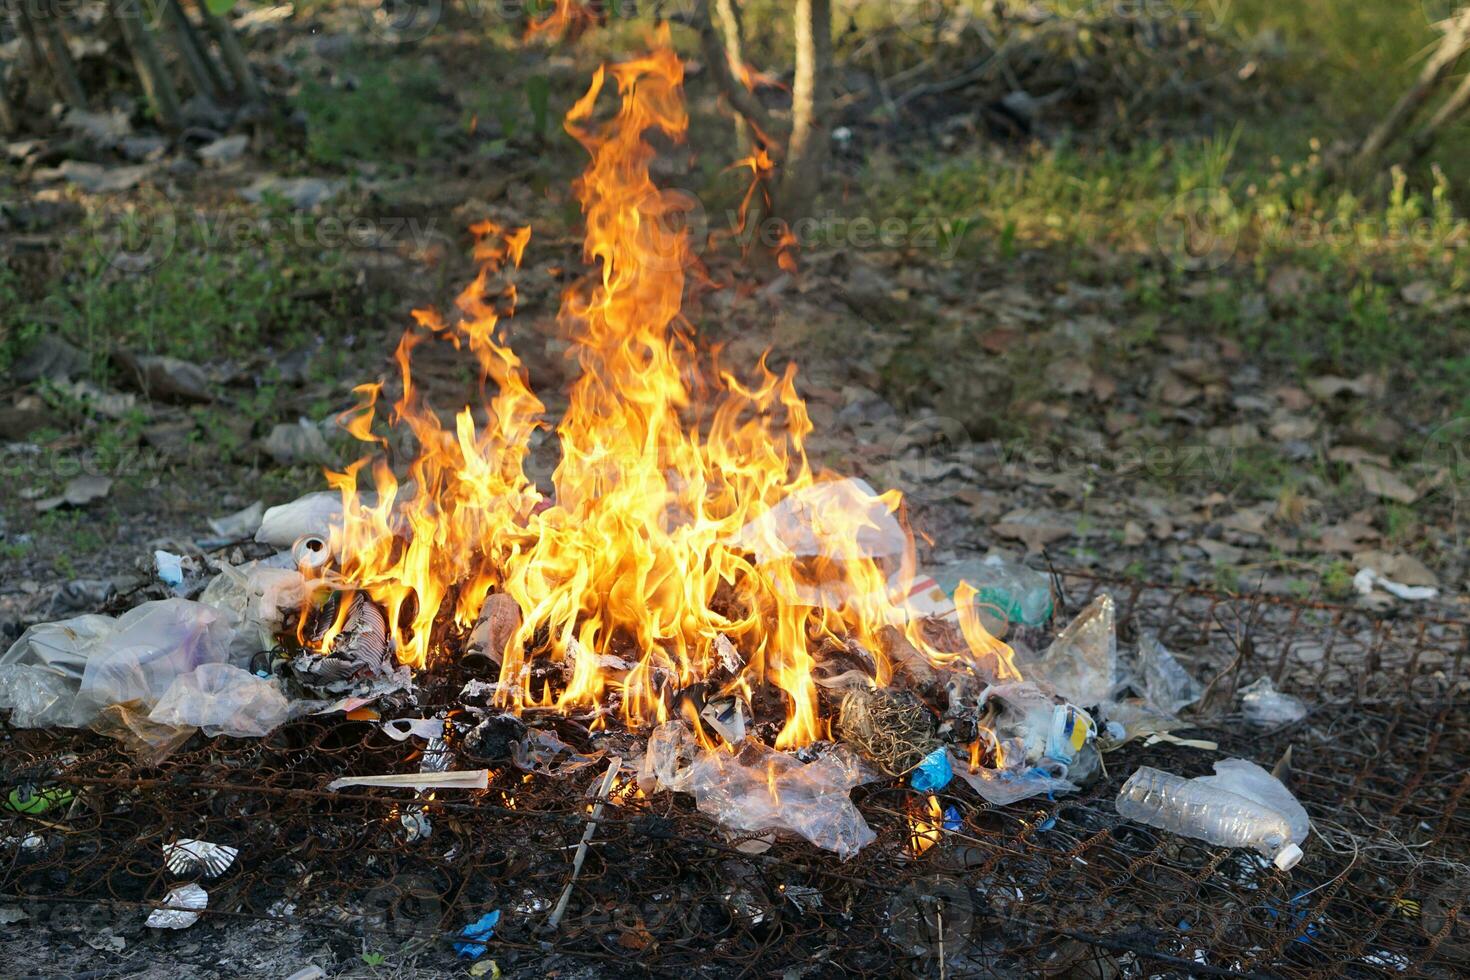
(628, 574)
(566, 21)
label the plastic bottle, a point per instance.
(1021, 594)
(1195, 808)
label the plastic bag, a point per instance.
(257, 597)
(671, 748)
(1015, 592)
(152, 646)
(42, 671)
(803, 525)
(314, 514)
(1002, 786)
(1267, 707)
(1162, 681)
(1081, 665)
(148, 741)
(757, 788)
(223, 700)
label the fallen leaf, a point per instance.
(1035, 528)
(1133, 534)
(1399, 567)
(1329, 386)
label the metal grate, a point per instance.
(1061, 886)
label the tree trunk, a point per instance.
(149, 64)
(1455, 42)
(811, 109)
(229, 47)
(724, 57)
(205, 76)
(58, 55)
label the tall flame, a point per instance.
(628, 575)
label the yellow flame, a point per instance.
(625, 574)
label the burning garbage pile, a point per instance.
(689, 606)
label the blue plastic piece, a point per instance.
(952, 819)
(934, 772)
(473, 936)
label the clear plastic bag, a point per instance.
(1081, 665)
(1016, 592)
(1266, 707)
(757, 788)
(257, 596)
(223, 700)
(1002, 786)
(1162, 680)
(152, 646)
(42, 671)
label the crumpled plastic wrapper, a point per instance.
(152, 645)
(187, 856)
(1081, 665)
(42, 671)
(1266, 707)
(223, 700)
(181, 908)
(1002, 786)
(758, 788)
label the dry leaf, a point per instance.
(1035, 528)
(1382, 483)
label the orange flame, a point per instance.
(566, 22)
(627, 574)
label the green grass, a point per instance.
(209, 297)
(393, 111)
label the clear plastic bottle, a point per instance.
(1202, 809)
(1021, 594)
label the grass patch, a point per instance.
(378, 111)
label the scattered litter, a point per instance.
(170, 568)
(42, 671)
(933, 772)
(759, 788)
(1017, 593)
(1000, 787)
(497, 623)
(189, 857)
(1242, 805)
(1266, 707)
(891, 728)
(240, 525)
(310, 552)
(1368, 579)
(29, 799)
(727, 717)
(223, 699)
(463, 779)
(315, 514)
(180, 909)
(475, 936)
(152, 645)
(1081, 664)
(1166, 685)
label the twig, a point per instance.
(717, 57)
(566, 893)
(206, 77)
(1440, 64)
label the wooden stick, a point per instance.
(234, 55)
(717, 58)
(206, 77)
(157, 84)
(1440, 64)
(566, 893)
(1452, 107)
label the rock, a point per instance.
(302, 193)
(226, 150)
(103, 128)
(300, 443)
(1405, 569)
(50, 358)
(79, 492)
(95, 178)
(18, 423)
(166, 378)
(144, 147)
(1036, 528)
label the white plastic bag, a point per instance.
(1081, 665)
(258, 597)
(223, 700)
(150, 648)
(42, 671)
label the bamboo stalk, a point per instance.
(206, 77)
(234, 55)
(149, 64)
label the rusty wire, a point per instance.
(1040, 886)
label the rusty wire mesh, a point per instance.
(1062, 886)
